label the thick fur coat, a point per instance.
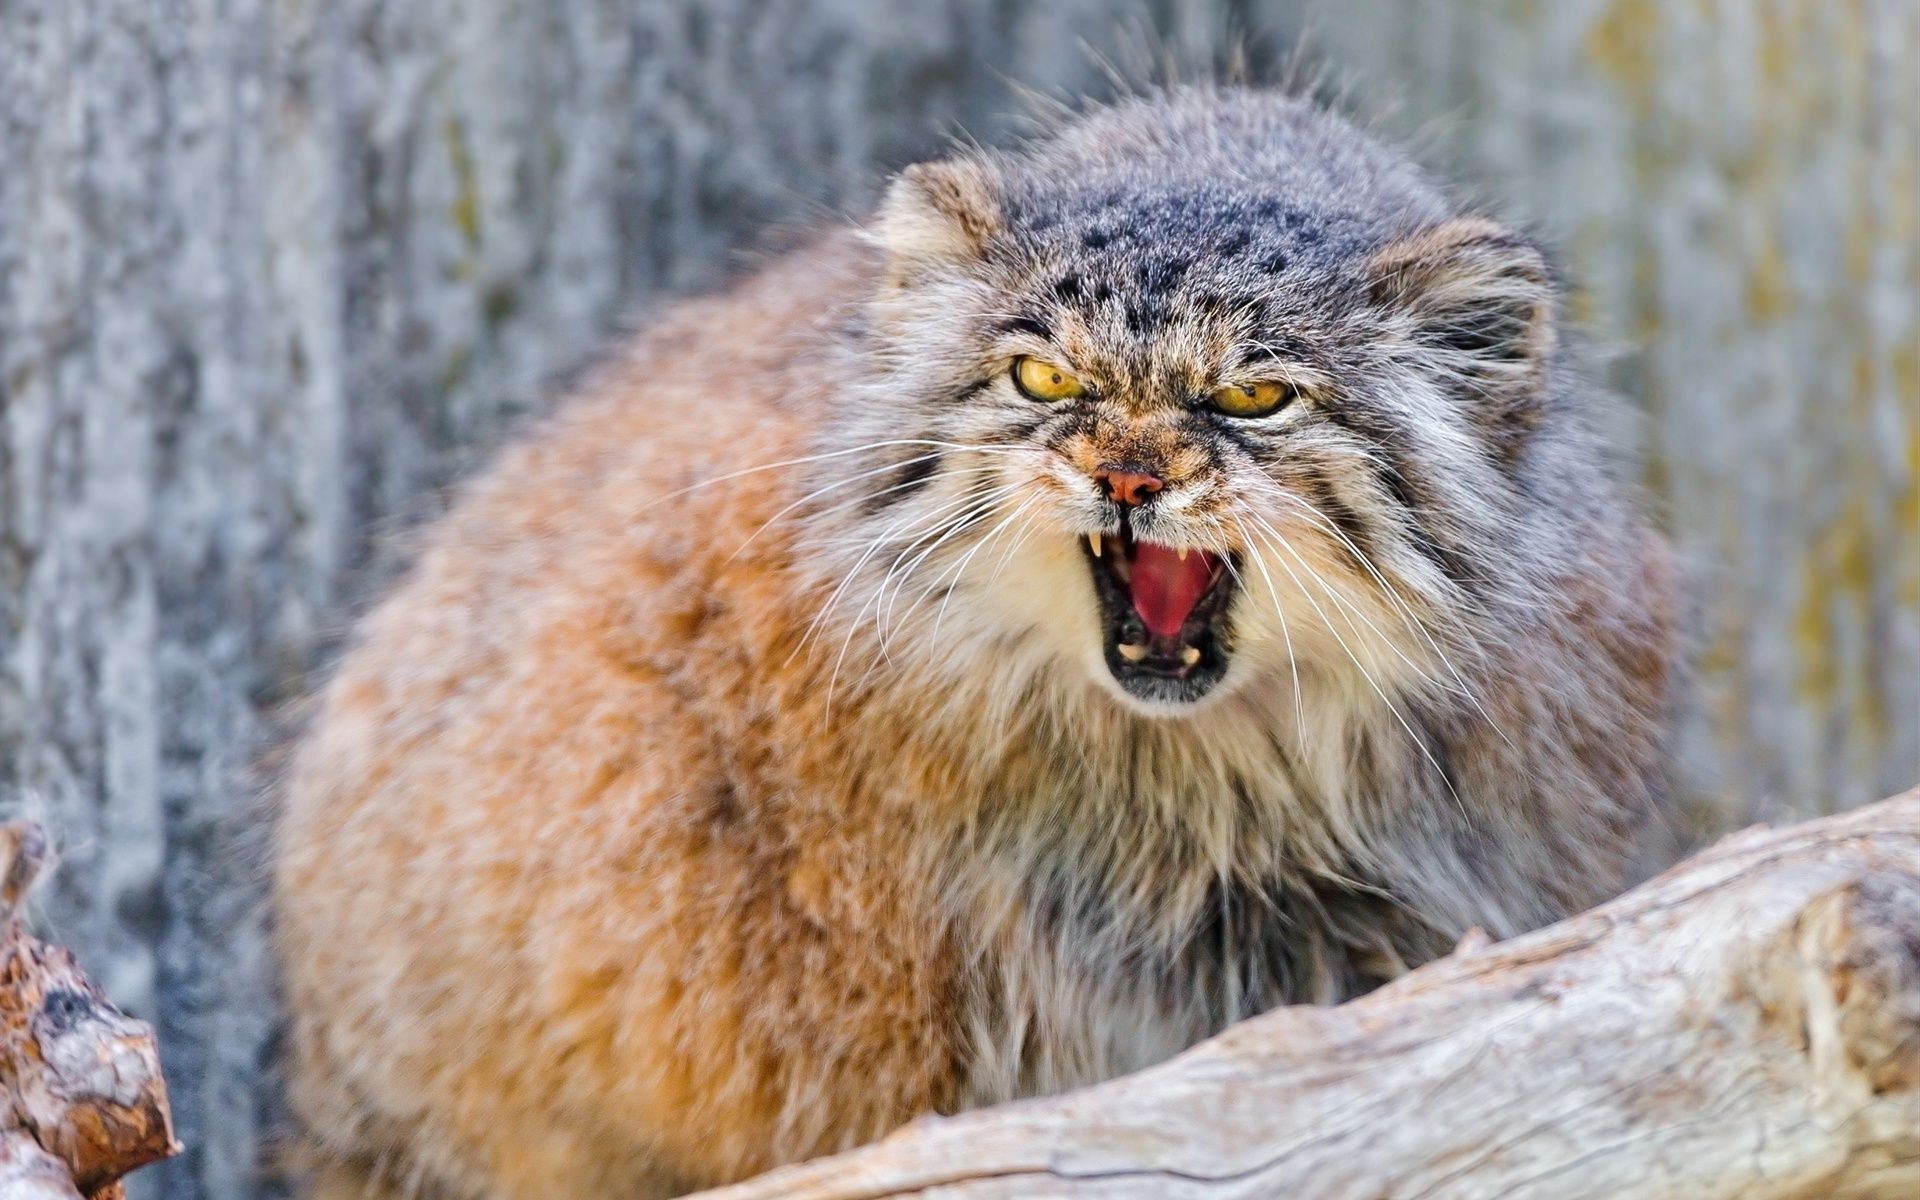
(757, 756)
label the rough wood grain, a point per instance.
(1745, 1027)
(82, 1100)
(29, 1173)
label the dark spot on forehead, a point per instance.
(1157, 276)
(1136, 259)
(1069, 288)
(907, 481)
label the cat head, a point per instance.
(1205, 388)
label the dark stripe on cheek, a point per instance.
(971, 390)
(1392, 476)
(1396, 475)
(1025, 428)
(908, 481)
(1239, 435)
(1317, 491)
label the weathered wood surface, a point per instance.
(29, 1173)
(82, 1099)
(1745, 1027)
(270, 273)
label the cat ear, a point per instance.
(937, 215)
(1476, 300)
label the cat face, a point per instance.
(1192, 427)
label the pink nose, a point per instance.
(1127, 483)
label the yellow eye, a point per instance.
(1253, 399)
(1046, 381)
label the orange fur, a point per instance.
(532, 931)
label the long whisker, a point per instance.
(1400, 605)
(872, 547)
(921, 526)
(842, 453)
(1462, 688)
(1019, 539)
(1272, 537)
(1293, 659)
(1286, 636)
(986, 539)
(1349, 610)
(912, 517)
(834, 486)
(914, 606)
(914, 521)
(977, 504)
(985, 504)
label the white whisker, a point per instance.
(955, 527)
(1462, 688)
(1365, 674)
(822, 457)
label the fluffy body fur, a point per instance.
(743, 769)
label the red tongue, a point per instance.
(1165, 589)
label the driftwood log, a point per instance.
(82, 1101)
(1745, 1026)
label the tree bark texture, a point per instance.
(1744, 1027)
(273, 271)
(82, 1099)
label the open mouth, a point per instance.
(1163, 615)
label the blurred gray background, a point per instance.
(272, 272)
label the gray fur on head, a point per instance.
(1450, 636)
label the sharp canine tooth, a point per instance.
(1132, 651)
(1093, 540)
(1190, 655)
(1183, 553)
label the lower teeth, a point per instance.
(1134, 652)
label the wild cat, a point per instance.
(1140, 578)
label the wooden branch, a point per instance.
(82, 1101)
(29, 1173)
(1745, 1026)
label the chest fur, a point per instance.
(1087, 967)
(1123, 897)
